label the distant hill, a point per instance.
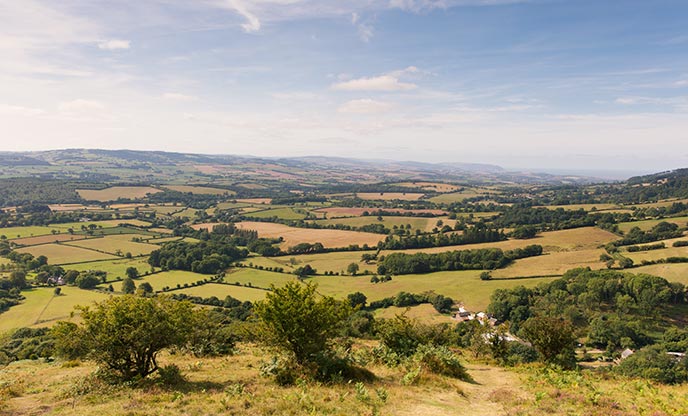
(137, 166)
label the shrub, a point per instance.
(440, 360)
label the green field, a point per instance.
(21, 232)
(462, 286)
(113, 243)
(170, 278)
(42, 307)
(257, 278)
(65, 254)
(114, 268)
(222, 291)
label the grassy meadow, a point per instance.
(116, 192)
(65, 254)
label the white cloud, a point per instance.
(16, 110)
(80, 106)
(114, 44)
(364, 106)
(387, 82)
(252, 23)
(173, 96)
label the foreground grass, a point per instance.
(233, 385)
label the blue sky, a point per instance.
(540, 84)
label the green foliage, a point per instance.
(440, 360)
(655, 363)
(128, 286)
(26, 343)
(402, 335)
(206, 257)
(524, 232)
(295, 320)
(477, 259)
(552, 338)
(357, 300)
(87, 281)
(126, 333)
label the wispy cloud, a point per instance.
(386, 82)
(114, 45)
(364, 106)
(174, 96)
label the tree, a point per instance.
(552, 338)
(144, 289)
(18, 279)
(128, 286)
(352, 269)
(132, 272)
(357, 299)
(87, 281)
(293, 318)
(126, 333)
(57, 291)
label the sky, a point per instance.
(525, 84)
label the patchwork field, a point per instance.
(116, 192)
(293, 235)
(639, 256)
(586, 207)
(551, 264)
(200, 190)
(430, 186)
(65, 254)
(101, 224)
(49, 238)
(257, 278)
(114, 268)
(43, 308)
(335, 212)
(66, 207)
(285, 213)
(417, 223)
(647, 224)
(389, 196)
(116, 244)
(459, 196)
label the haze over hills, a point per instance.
(82, 163)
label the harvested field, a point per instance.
(338, 212)
(651, 255)
(66, 207)
(199, 190)
(389, 196)
(417, 223)
(585, 207)
(100, 224)
(116, 192)
(286, 213)
(673, 272)
(45, 239)
(552, 264)
(255, 200)
(430, 186)
(458, 196)
(585, 238)
(113, 243)
(293, 236)
(647, 224)
(65, 254)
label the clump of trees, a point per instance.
(477, 259)
(206, 257)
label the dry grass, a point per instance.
(585, 207)
(335, 212)
(255, 200)
(66, 207)
(430, 186)
(389, 196)
(551, 264)
(293, 235)
(44, 239)
(673, 272)
(647, 224)
(65, 254)
(417, 223)
(199, 190)
(116, 192)
(222, 291)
